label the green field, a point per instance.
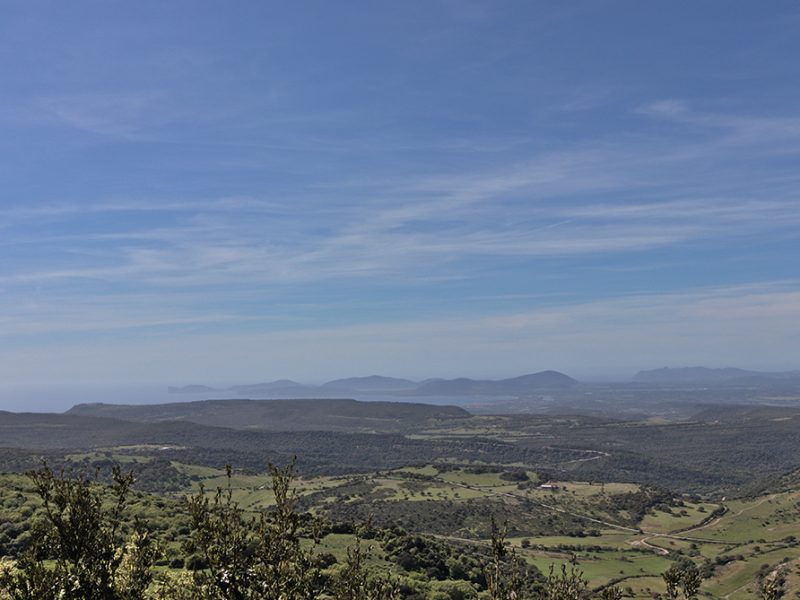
(590, 525)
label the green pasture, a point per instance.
(197, 470)
(737, 579)
(122, 459)
(767, 518)
(679, 518)
(480, 480)
(601, 567)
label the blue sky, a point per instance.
(228, 192)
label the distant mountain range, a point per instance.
(544, 380)
(722, 377)
(377, 384)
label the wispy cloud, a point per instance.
(739, 129)
(584, 200)
(619, 196)
(144, 205)
(123, 115)
(356, 166)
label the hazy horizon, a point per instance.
(58, 397)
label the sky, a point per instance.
(202, 192)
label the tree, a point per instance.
(682, 576)
(565, 584)
(611, 593)
(261, 557)
(691, 581)
(503, 580)
(249, 556)
(770, 587)
(77, 551)
(353, 582)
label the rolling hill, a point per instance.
(281, 415)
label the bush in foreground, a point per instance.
(83, 549)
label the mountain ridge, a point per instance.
(543, 380)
